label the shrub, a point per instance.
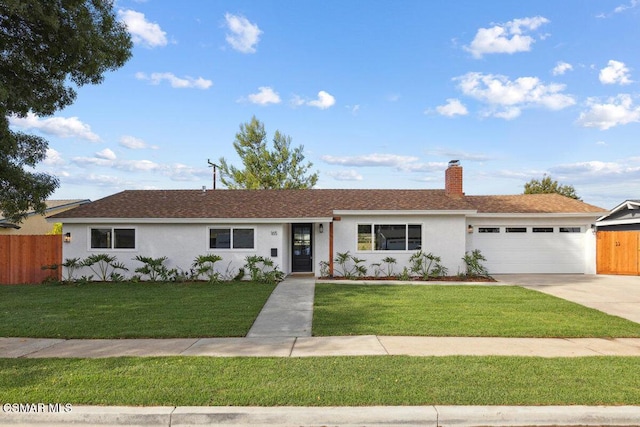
(350, 271)
(105, 266)
(204, 265)
(427, 265)
(263, 269)
(473, 264)
(154, 268)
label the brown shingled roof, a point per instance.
(308, 203)
(531, 203)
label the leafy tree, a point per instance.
(281, 167)
(547, 185)
(47, 46)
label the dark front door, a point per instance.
(301, 254)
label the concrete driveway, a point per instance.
(616, 295)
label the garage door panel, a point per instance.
(531, 252)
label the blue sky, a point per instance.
(381, 94)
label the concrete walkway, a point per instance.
(289, 310)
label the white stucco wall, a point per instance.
(442, 235)
(180, 243)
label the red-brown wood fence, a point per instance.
(617, 252)
(22, 258)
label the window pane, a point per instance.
(569, 229)
(101, 238)
(125, 238)
(219, 238)
(542, 229)
(415, 237)
(516, 229)
(243, 238)
(364, 237)
(489, 230)
(391, 237)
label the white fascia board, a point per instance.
(402, 212)
(627, 204)
(191, 220)
(536, 215)
(618, 222)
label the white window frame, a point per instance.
(373, 239)
(112, 228)
(231, 229)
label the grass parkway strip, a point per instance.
(325, 381)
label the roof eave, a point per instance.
(191, 220)
(398, 212)
(536, 214)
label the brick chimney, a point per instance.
(453, 179)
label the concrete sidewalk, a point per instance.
(367, 345)
(334, 416)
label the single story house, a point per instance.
(36, 224)
(299, 229)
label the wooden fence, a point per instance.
(22, 258)
(617, 252)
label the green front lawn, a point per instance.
(323, 381)
(449, 310)
(131, 310)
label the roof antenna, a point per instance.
(214, 172)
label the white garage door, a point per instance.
(527, 249)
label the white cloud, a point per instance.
(453, 107)
(400, 163)
(374, 159)
(615, 111)
(65, 127)
(506, 98)
(106, 154)
(148, 34)
(623, 7)
(461, 155)
(346, 175)
(175, 82)
(615, 73)
(324, 101)
(134, 143)
(244, 35)
(509, 37)
(265, 96)
(53, 158)
(561, 68)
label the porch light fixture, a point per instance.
(470, 229)
(67, 237)
(321, 228)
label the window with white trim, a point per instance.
(389, 237)
(113, 238)
(231, 238)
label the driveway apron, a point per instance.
(289, 310)
(615, 295)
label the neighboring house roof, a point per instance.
(627, 212)
(313, 203)
(53, 206)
